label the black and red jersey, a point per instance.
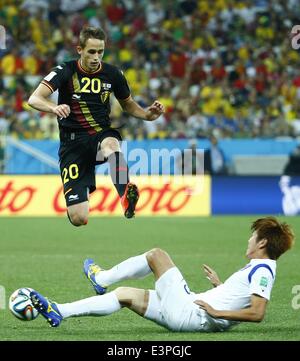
(87, 94)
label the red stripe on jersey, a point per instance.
(78, 112)
(81, 118)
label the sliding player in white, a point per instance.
(242, 297)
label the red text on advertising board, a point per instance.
(15, 200)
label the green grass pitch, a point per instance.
(47, 254)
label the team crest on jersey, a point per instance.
(104, 96)
(263, 282)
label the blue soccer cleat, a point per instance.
(90, 268)
(46, 308)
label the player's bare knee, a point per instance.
(154, 254)
(124, 296)
(110, 146)
(135, 299)
(120, 291)
(78, 219)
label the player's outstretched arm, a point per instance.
(153, 112)
(254, 313)
(39, 100)
(211, 275)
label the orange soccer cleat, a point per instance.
(130, 199)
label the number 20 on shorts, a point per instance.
(71, 172)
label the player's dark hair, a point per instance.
(90, 32)
(280, 236)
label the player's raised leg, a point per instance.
(155, 260)
(128, 192)
(131, 268)
(159, 261)
(78, 213)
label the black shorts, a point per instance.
(77, 161)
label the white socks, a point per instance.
(132, 268)
(95, 306)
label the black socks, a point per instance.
(119, 171)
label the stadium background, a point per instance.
(225, 70)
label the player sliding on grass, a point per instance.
(242, 297)
(83, 110)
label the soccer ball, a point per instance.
(21, 306)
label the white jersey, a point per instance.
(172, 304)
(257, 277)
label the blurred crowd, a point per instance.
(224, 68)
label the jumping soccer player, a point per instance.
(242, 297)
(83, 110)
